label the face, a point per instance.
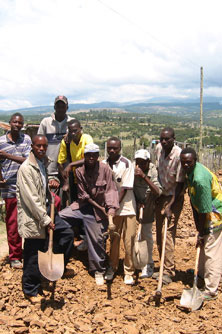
(16, 123)
(143, 164)
(39, 147)
(91, 159)
(167, 140)
(74, 131)
(188, 162)
(113, 149)
(60, 110)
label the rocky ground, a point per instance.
(79, 306)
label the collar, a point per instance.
(170, 155)
(33, 160)
(11, 141)
(116, 162)
(53, 118)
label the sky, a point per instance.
(108, 50)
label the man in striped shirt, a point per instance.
(14, 149)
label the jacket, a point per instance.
(31, 200)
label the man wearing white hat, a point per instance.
(97, 198)
(146, 189)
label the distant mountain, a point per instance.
(154, 105)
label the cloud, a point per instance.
(94, 50)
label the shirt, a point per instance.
(123, 172)
(77, 151)
(169, 170)
(54, 132)
(20, 148)
(206, 196)
(143, 192)
(100, 187)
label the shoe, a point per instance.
(109, 274)
(68, 273)
(128, 279)
(207, 296)
(99, 278)
(147, 271)
(16, 264)
(35, 299)
(167, 279)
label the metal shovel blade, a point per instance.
(191, 298)
(51, 265)
(140, 254)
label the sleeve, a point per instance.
(180, 175)
(111, 193)
(89, 140)
(30, 198)
(203, 198)
(128, 177)
(82, 193)
(62, 157)
(42, 128)
(155, 180)
(27, 148)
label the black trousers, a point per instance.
(62, 243)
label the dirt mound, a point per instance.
(79, 306)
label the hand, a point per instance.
(168, 212)
(51, 226)
(200, 242)
(141, 205)
(139, 172)
(2, 184)
(54, 184)
(104, 211)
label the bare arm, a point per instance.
(5, 155)
(68, 169)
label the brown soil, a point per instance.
(79, 306)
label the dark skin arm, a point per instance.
(122, 193)
(177, 193)
(68, 169)
(5, 155)
(91, 201)
(153, 187)
(200, 228)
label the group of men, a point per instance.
(61, 157)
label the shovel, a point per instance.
(192, 298)
(158, 294)
(140, 250)
(51, 265)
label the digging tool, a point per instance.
(157, 298)
(140, 250)
(51, 265)
(192, 298)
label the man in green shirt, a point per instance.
(206, 200)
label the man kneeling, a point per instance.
(97, 198)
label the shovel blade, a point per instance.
(191, 298)
(51, 266)
(140, 254)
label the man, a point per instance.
(206, 200)
(33, 219)
(125, 218)
(97, 198)
(146, 189)
(73, 153)
(170, 203)
(54, 128)
(14, 149)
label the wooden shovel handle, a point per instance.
(141, 213)
(162, 256)
(52, 216)
(197, 261)
(112, 227)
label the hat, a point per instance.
(61, 98)
(93, 148)
(142, 154)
